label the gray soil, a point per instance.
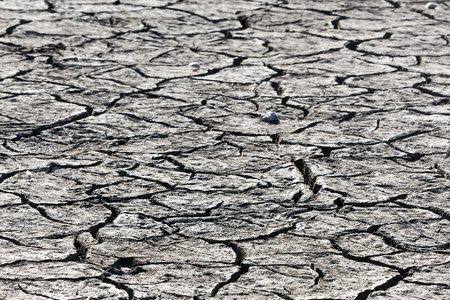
(126, 175)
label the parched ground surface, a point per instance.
(125, 175)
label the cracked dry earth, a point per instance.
(125, 175)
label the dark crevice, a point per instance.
(308, 175)
(227, 34)
(11, 29)
(25, 291)
(407, 135)
(179, 152)
(5, 176)
(120, 286)
(61, 99)
(269, 48)
(37, 207)
(352, 45)
(244, 22)
(327, 150)
(347, 117)
(447, 41)
(168, 186)
(54, 166)
(346, 253)
(406, 246)
(237, 61)
(423, 13)
(343, 194)
(125, 266)
(331, 50)
(339, 202)
(297, 196)
(412, 157)
(446, 286)
(372, 204)
(180, 166)
(319, 272)
(395, 4)
(337, 23)
(17, 243)
(50, 6)
(145, 119)
(427, 91)
(300, 130)
(234, 277)
(284, 101)
(81, 248)
(391, 282)
(444, 174)
(215, 70)
(387, 35)
(340, 80)
(20, 73)
(266, 236)
(96, 186)
(325, 12)
(276, 138)
(277, 88)
(272, 234)
(239, 251)
(36, 131)
(198, 121)
(373, 228)
(438, 211)
(275, 85)
(209, 210)
(193, 14)
(93, 230)
(283, 295)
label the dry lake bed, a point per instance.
(126, 172)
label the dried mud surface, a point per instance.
(125, 175)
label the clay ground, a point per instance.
(125, 175)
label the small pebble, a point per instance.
(264, 184)
(195, 66)
(270, 117)
(432, 5)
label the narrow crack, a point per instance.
(52, 166)
(395, 4)
(308, 175)
(406, 246)
(37, 207)
(444, 174)
(284, 101)
(407, 135)
(120, 286)
(80, 247)
(364, 259)
(25, 291)
(372, 204)
(17, 243)
(11, 29)
(319, 272)
(391, 282)
(20, 73)
(5, 176)
(94, 230)
(300, 130)
(243, 268)
(36, 131)
(168, 186)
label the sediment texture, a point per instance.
(125, 175)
